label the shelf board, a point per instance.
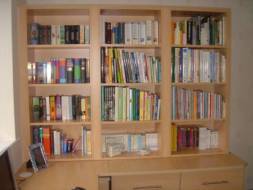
(196, 121)
(199, 46)
(198, 84)
(59, 46)
(129, 46)
(130, 122)
(68, 157)
(132, 155)
(72, 122)
(85, 85)
(131, 84)
(196, 151)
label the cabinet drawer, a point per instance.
(146, 182)
(232, 179)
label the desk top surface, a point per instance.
(66, 175)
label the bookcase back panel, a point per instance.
(72, 90)
(129, 12)
(61, 20)
(129, 129)
(48, 54)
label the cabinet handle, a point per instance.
(148, 187)
(215, 182)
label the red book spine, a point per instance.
(46, 140)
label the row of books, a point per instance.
(116, 144)
(196, 104)
(195, 65)
(129, 104)
(69, 70)
(57, 107)
(58, 34)
(134, 33)
(56, 142)
(121, 66)
(190, 137)
(199, 30)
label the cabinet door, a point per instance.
(146, 182)
(232, 179)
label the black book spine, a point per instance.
(102, 58)
(74, 105)
(72, 34)
(83, 71)
(77, 34)
(70, 72)
(108, 33)
(67, 40)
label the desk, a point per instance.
(66, 175)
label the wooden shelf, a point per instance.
(199, 46)
(129, 122)
(196, 151)
(68, 157)
(131, 84)
(132, 155)
(198, 84)
(196, 121)
(72, 122)
(60, 46)
(81, 85)
(129, 46)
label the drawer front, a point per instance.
(146, 182)
(213, 180)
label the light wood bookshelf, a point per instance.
(94, 15)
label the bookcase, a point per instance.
(164, 23)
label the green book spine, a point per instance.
(36, 108)
(41, 134)
(77, 71)
(62, 34)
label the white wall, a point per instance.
(7, 119)
(241, 132)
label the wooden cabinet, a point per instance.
(146, 182)
(231, 179)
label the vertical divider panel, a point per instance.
(22, 104)
(95, 81)
(225, 145)
(166, 81)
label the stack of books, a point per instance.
(122, 66)
(128, 104)
(58, 34)
(131, 33)
(69, 70)
(59, 107)
(199, 30)
(116, 144)
(193, 137)
(196, 104)
(195, 65)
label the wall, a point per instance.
(7, 127)
(241, 131)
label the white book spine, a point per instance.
(156, 32)
(149, 35)
(49, 72)
(142, 31)
(64, 101)
(87, 34)
(81, 34)
(47, 108)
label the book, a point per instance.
(121, 103)
(124, 66)
(199, 30)
(196, 104)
